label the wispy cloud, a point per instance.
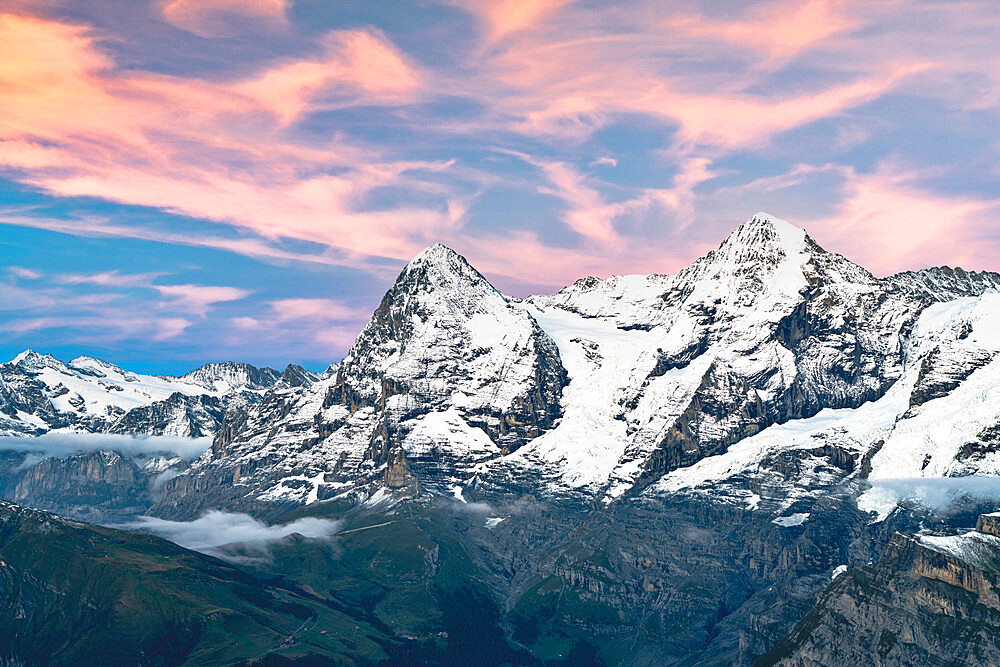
(113, 278)
(888, 208)
(209, 18)
(329, 325)
(199, 298)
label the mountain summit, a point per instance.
(764, 233)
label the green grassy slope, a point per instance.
(73, 593)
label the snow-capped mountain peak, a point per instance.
(229, 375)
(40, 393)
(97, 367)
(441, 270)
(31, 360)
(763, 232)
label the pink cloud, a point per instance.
(328, 326)
(521, 263)
(22, 272)
(110, 325)
(206, 149)
(503, 17)
(567, 89)
(887, 223)
(358, 64)
(780, 29)
(250, 247)
(287, 310)
(209, 18)
(109, 279)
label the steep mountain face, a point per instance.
(928, 601)
(668, 370)
(89, 485)
(447, 374)
(444, 337)
(939, 420)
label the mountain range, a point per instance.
(661, 469)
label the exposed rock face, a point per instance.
(443, 330)
(90, 485)
(928, 601)
(178, 415)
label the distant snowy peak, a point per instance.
(944, 282)
(296, 376)
(30, 360)
(227, 376)
(39, 393)
(96, 367)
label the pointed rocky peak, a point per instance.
(439, 267)
(769, 253)
(31, 360)
(438, 287)
(296, 376)
(21, 357)
(764, 236)
(765, 255)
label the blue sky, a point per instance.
(187, 181)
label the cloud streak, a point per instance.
(60, 444)
(215, 529)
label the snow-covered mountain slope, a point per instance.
(767, 359)
(39, 393)
(940, 420)
(449, 372)
(230, 376)
(669, 369)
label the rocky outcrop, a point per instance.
(927, 601)
(178, 415)
(92, 485)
